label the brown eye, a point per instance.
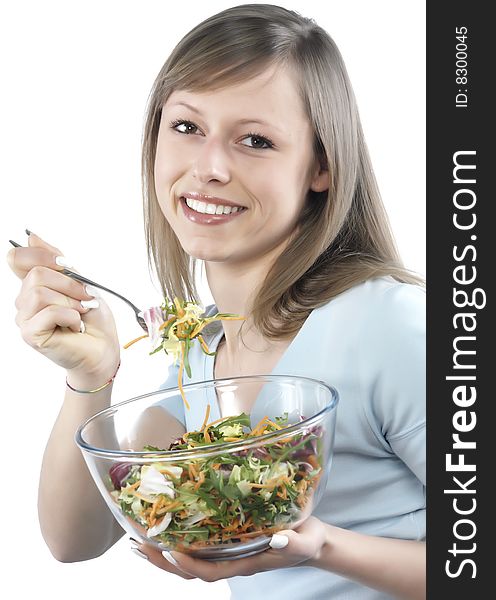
(187, 124)
(260, 141)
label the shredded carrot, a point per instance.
(216, 466)
(140, 496)
(198, 328)
(141, 337)
(248, 523)
(167, 472)
(206, 436)
(168, 508)
(207, 414)
(284, 440)
(134, 485)
(272, 484)
(258, 426)
(165, 323)
(234, 525)
(203, 344)
(155, 507)
(312, 459)
(180, 376)
(218, 421)
(201, 479)
(232, 439)
(179, 308)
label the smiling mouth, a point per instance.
(208, 208)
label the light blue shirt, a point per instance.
(368, 343)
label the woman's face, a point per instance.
(208, 148)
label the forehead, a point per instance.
(270, 97)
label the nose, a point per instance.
(212, 162)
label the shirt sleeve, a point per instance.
(396, 373)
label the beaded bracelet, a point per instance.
(97, 389)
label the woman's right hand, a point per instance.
(49, 315)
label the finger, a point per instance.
(38, 331)
(211, 571)
(307, 539)
(44, 278)
(156, 558)
(21, 260)
(39, 298)
(34, 241)
(302, 546)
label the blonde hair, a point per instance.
(343, 236)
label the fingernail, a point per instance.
(168, 556)
(63, 262)
(82, 327)
(90, 303)
(139, 553)
(91, 291)
(278, 541)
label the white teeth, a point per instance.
(211, 209)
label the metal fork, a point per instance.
(138, 313)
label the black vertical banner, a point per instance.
(461, 235)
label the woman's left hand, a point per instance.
(303, 547)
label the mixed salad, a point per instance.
(227, 498)
(173, 327)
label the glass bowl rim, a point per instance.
(177, 455)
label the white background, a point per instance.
(75, 80)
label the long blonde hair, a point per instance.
(344, 236)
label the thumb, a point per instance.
(34, 241)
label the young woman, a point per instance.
(254, 164)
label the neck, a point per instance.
(234, 287)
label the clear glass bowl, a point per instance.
(264, 483)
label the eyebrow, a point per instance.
(241, 121)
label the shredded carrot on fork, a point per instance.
(165, 323)
(179, 308)
(141, 337)
(203, 344)
(180, 376)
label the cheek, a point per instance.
(166, 173)
(163, 172)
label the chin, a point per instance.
(203, 252)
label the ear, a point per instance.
(320, 178)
